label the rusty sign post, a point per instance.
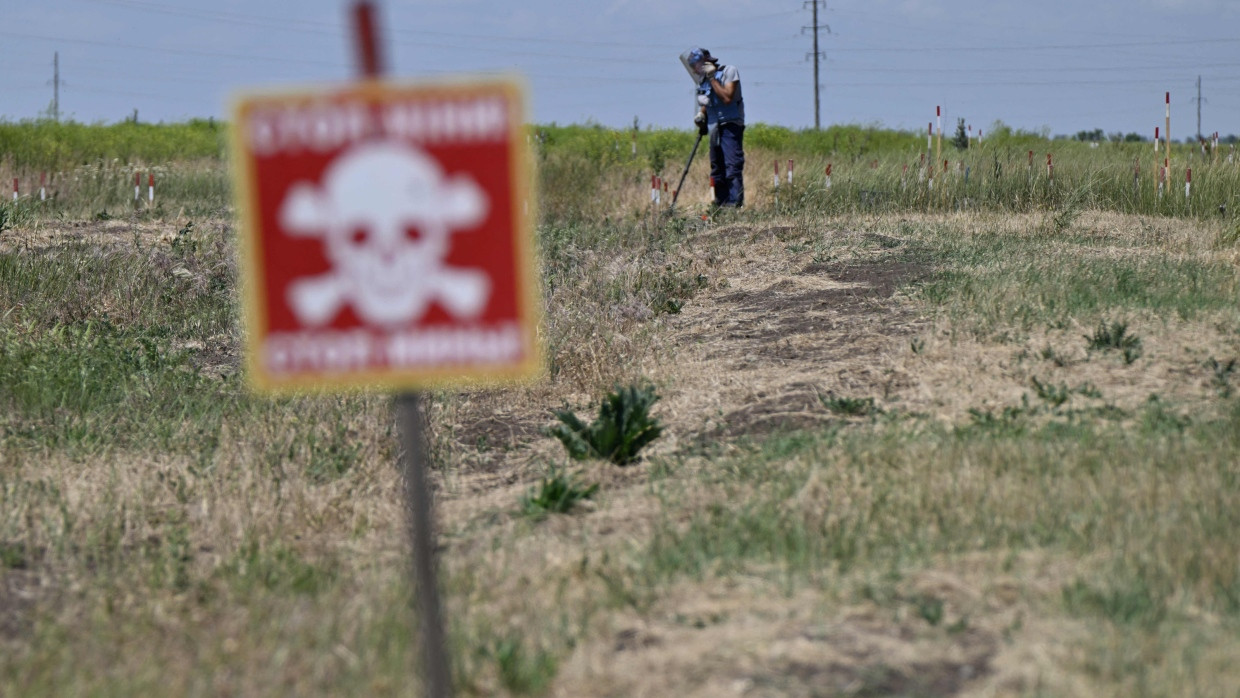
(387, 242)
(419, 501)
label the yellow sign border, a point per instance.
(523, 193)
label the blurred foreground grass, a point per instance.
(1021, 513)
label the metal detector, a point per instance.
(676, 193)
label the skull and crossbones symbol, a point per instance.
(385, 213)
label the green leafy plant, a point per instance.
(853, 406)
(1222, 375)
(1049, 354)
(1115, 336)
(557, 493)
(930, 609)
(623, 427)
(520, 671)
(1056, 395)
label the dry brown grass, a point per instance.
(792, 312)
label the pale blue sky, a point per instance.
(1059, 65)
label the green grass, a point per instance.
(1039, 488)
(256, 546)
(994, 283)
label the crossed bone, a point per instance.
(371, 197)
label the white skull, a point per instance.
(385, 212)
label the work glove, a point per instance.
(700, 120)
(703, 100)
(708, 69)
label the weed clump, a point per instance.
(623, 427)
(1115, 336)
(557, 493)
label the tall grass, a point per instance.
(1073, 514)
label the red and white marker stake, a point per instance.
(1050, 168)
(15, 189)
(789, 171)
(654, 188)
(712, 189)
(42, 186)
(929, 136)
(1156, 137)
(828, 175)
(1167, 135)
(776, 174)
(150, 188)
(137, 186)
(1188, 182)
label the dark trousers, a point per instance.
(727, 163)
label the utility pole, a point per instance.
(1198, 108)
(816, 54)
(56, 86)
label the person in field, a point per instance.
(721, 109)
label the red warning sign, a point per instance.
(387, 235)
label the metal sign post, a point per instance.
(387, 242)
(419, 501)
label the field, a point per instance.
(975, 438)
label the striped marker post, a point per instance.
(1050, 169)
(969, 142)
(42, 186)
(15, 189)
(776, 174)
(938, 118)
(1188, 182)
(828, 175)
(790, 171)
(137, 187)
(1167, 135)
(1156, 137)
(712, 189)
(654, 188)
(150, 188)
(929, 136)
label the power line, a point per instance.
(816, 55)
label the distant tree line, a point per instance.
(1097, 135)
